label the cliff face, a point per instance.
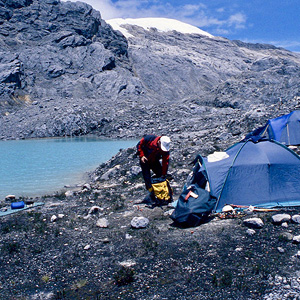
(58, 61)
(65, 71)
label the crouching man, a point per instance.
(151, 149)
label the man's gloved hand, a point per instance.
(144, 159)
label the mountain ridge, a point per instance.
(65, 71)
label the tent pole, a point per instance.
(288, 133)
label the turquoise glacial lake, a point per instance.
(38, 167)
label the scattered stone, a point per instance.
(285, 225)
(111, 172)
(53, 218)
(86, 186)
(139, 222)
(102, 223)
(10, 198)
(60, 216)
(280, 218)
(238, 249)
(280, 250)
(286, 236)
(43, 295)
(298, 253)
(95, 209)
(296, 219)
(87, 247)
(254, 223)
(135, 170)
(128, 236)
(69, 194)
(127, 263)
(296, 239)
(250, 231)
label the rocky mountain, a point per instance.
(65, 71)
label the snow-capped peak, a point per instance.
(161, 24)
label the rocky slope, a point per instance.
(64, 71)
(82, 245)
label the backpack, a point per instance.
(193, 206)
(162, 189)
(161, 193)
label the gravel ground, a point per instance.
(73, 258)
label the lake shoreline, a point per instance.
(41, 166)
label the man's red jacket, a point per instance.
(148, 147)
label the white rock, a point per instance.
(285, 225)
(296, 219)
(102, 223)
(128, 236)
(60, 216)
(280, 249)
(127, 263)
(296, 239)
(139, 222)
(69, 194)
(280, 218)
(53, 218)
(250, 231)
(254, 223)
(87, 186)
(87, 247)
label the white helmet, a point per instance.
(165, 143)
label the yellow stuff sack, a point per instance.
(162, 190)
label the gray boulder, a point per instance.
(296, 219)
(139, 222)
(254, 223)
(280, 218)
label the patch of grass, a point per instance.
(45, 278)
(79, 284)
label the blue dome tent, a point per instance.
(263, 174)
(284, 129)
(257, 172)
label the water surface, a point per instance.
(40, 166)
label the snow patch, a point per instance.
(161, 24)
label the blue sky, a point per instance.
(274, 22)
